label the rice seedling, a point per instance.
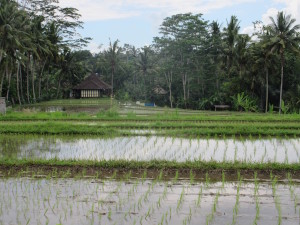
(192, 177)
(210, 217)
(175, 179)
(256, 188)
(207, 180)
(223, 179)
(180, 200)
(276, 197)
(237, 199)
(292, 190)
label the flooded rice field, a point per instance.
(67, 109)
(144, 201)
(142, 148)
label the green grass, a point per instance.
(216, 129)
(155, 164)
(171, 116)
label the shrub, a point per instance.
(244, 102)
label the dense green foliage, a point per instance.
(193, 64)
(36, 61)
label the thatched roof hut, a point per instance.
(91, 87)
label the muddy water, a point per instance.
(151, 148)
(83, 201)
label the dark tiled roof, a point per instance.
(92, 82)
(159, 91)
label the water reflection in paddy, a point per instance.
(151, 148)
(89, 201)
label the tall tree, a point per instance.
(183, 35)
(230, 38)
(112, 58)
(284, 38)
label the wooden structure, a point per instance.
(2, 105)
(91, 87)
(159, 91)
(221, 107)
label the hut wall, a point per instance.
(89, 93)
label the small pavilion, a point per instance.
(91, 87)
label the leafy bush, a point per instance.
(208, 103)
(112, 113)
(243, 102)
(271, 108)
(284, 107)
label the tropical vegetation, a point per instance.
(198, 63)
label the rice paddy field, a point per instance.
(126, 164)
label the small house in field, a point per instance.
(91, 87)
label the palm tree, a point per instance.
(264, 59)
(41, 46)
(12, 36)
(284, 37)
(230, 39)
(216, 50)
(241, 52)
(112, 57)
(145, 66)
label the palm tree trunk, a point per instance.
(217, 82)
(169, 78)
(281, 82)
(1, 84)
(9, 82)
(112, 82)
(21, 84)
(27, 84)
(184, 81)
(40, 84)
(267, 90)
(32, 74)
(145, 83)
(58, 88)
(18, 89)
(40, 79)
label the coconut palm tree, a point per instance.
(11, 35)
(284, 37)
(230, 38)
(145, 66)
(264, 60)
(112, 57)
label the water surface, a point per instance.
(151, 148)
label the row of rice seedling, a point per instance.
(152, 148)
(90, 200)
(152, 115)
(160, 128)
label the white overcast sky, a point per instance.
(136, 22)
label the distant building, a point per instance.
(91, 87)
(159, 91)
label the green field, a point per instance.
(168, 163)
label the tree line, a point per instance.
(194, 63)
(36, 42)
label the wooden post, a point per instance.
(2, 105)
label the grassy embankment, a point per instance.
(166, 122)
(90, 168)
(110, 123)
